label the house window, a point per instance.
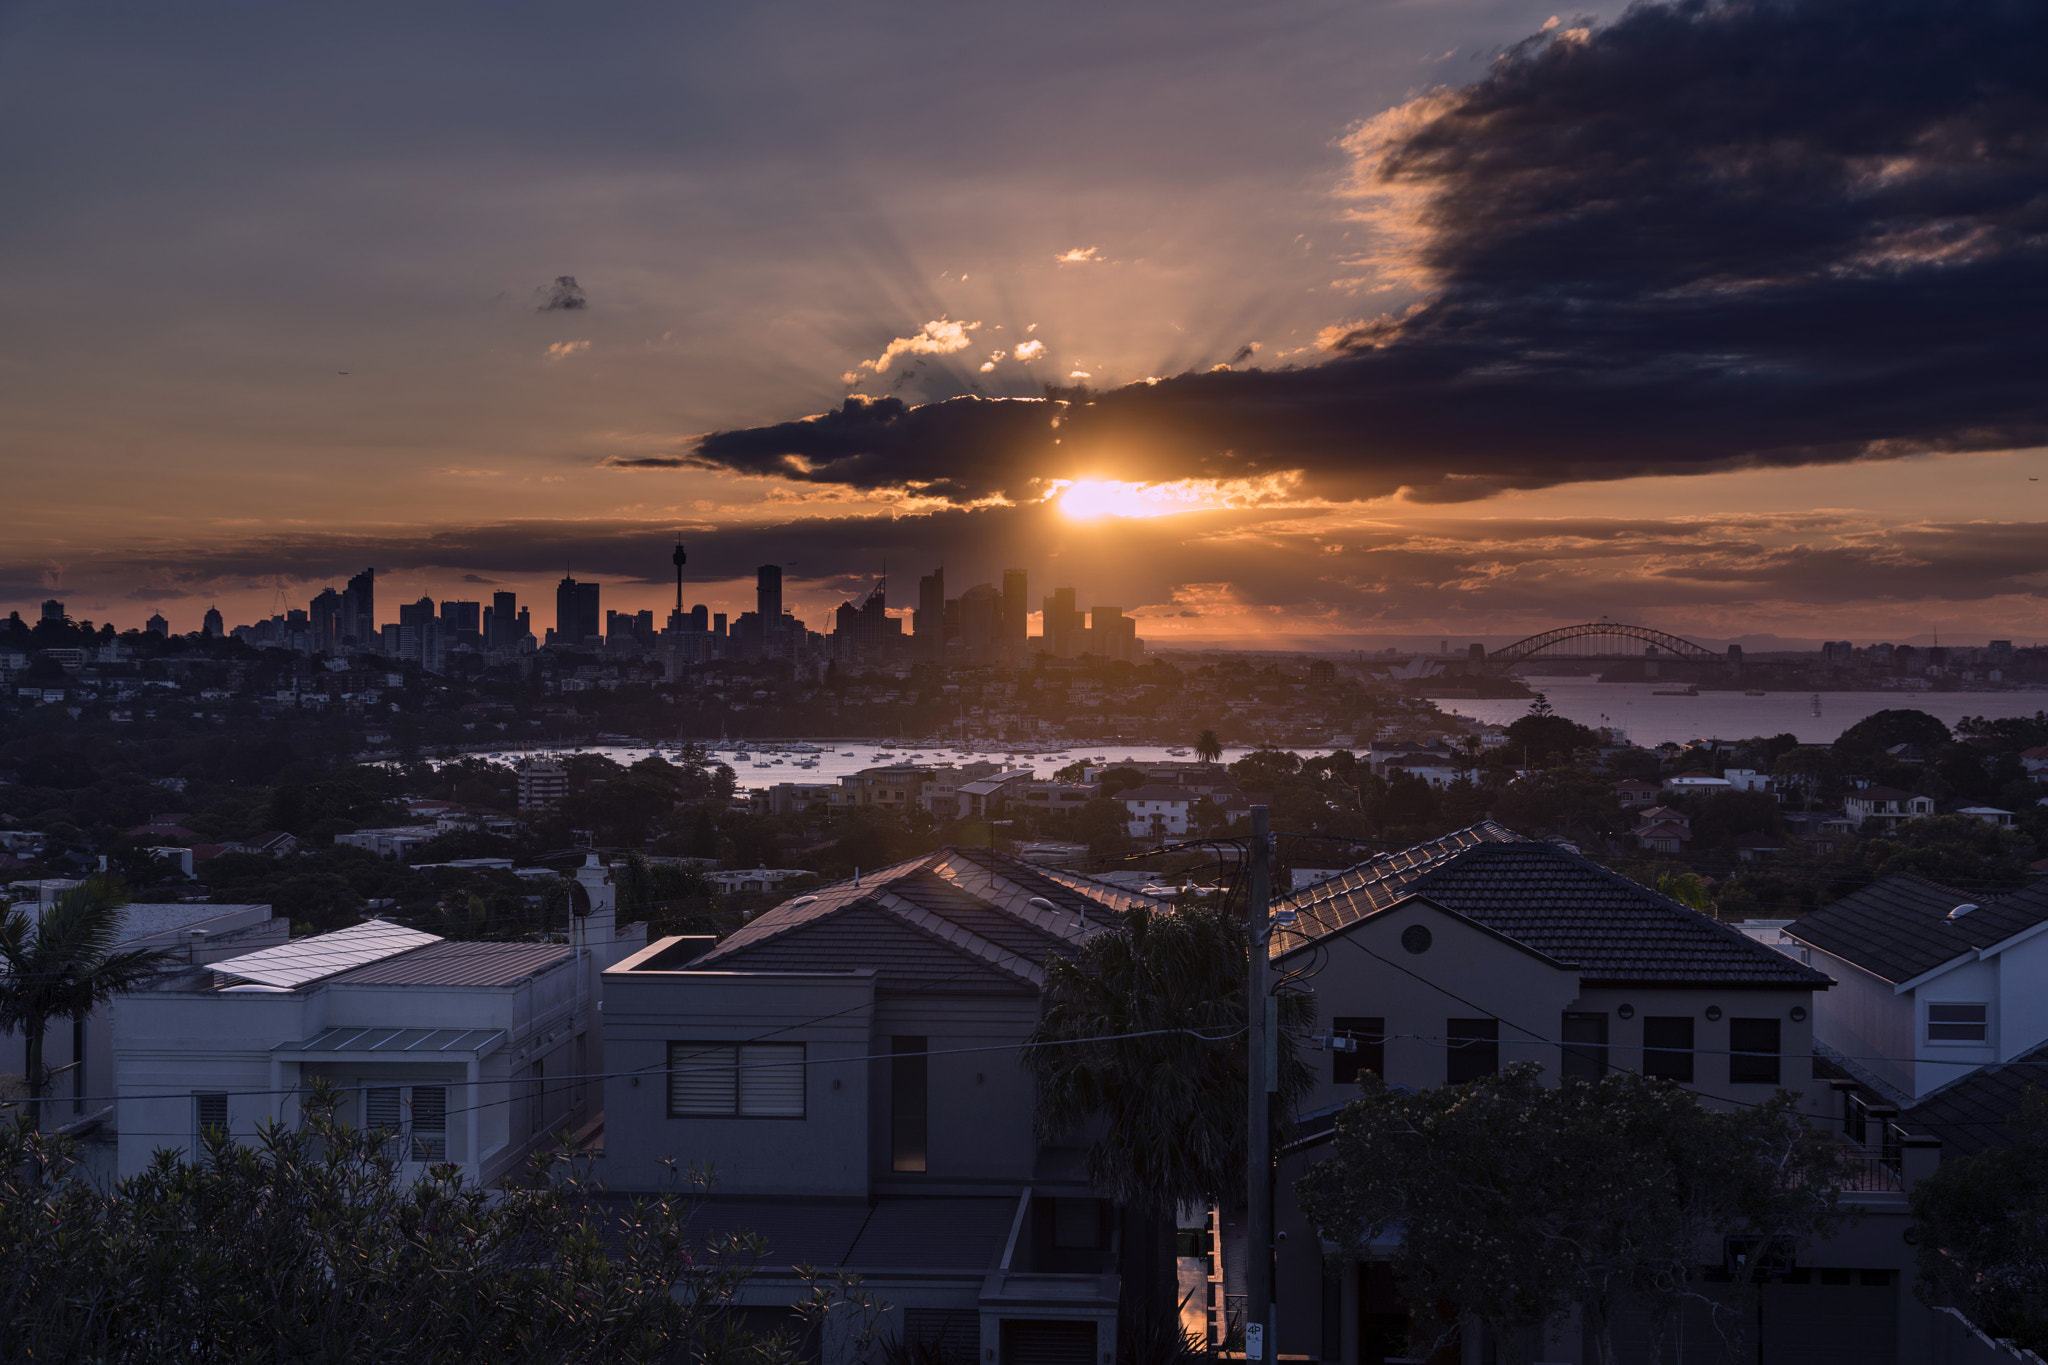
(1585, 1046)
(742, 1080)
(908, 1102)
(1667, 1047)
(1371, 1037)
(419, 1129)
(1958, 1023)
(208, 1111)
(1474, 1049)
(1753, 1051)
(430, 1123)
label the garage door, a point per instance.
(1029, 1341)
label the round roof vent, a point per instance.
(1960, 911)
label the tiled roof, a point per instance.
(1553, 901)
(958, 919)
(1663, 829)
(1899, 927)
(1882, 794)
(1975, 1112)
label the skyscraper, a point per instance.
(768, 596)
(1062, 624)
(325, 615)
(214, 626)
(577, 614)
(928, 621)
(566, 632)
(1016, 614)
(504, 632)
(359, 609)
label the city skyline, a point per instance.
(1268, 322)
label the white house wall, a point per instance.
(1971, 983)
(2020, 1017)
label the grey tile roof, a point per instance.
(1898, 927)
(1554, 902)
(1975, 1112)
(450, 963)
(957, 920)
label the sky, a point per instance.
(1389, 318)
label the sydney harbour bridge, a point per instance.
(1597, 642)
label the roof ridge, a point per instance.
(992, 954)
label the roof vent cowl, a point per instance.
(1959, 912)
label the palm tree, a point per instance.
(1169, 1107)
(1208, 747)
(63, 963)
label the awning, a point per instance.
(397, 1044)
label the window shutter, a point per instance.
(701, 1079)
(380, 1110)
(772, 1080)
(208, 1111)
(429, 1123)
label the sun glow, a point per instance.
(1088, 499)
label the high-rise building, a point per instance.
(213, 625)
(324, 616)
(1062, 624)
(53, 610)
(768, 596)
(359, 609)
(1016, 614)
(928, 621)
(503, 631)
(413, 620)
(981, 623)
(524, 628)
(1113, 635)
(577, 615)
(463, 618)
(155, 625)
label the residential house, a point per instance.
(194, 935)
(1990, 815)
(1696, 782)
(391, 842)
(2035, 760)
(1662, 829)
(1884, 808)
(1632, 792)
(1932, 982)
(1154, 812)
(468, 1052)
(848, 1062)
(1452, 959)
(755, 879)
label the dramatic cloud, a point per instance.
(1080, 255)
(1706, 236)
(934, 338)
(563, 295)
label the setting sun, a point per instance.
(1088, 499)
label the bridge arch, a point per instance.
(1556, 643)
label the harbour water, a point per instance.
(1650, 719)
(768, 762)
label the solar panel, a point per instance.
(323, 955)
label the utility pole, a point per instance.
(1261, 1341)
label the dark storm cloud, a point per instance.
(562, 296)
(1705, 236)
